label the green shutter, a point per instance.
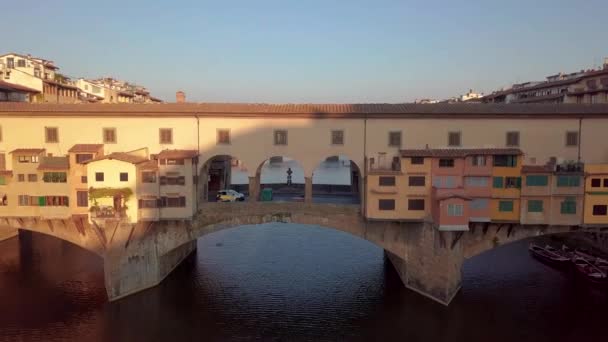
(498, 182)
(537, 180)
(563, 181)
(2, 180)
(568, 206)
(518, 182)
(575, 181)
(42, 201)
(535, 206)
(505, 206)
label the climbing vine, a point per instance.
(97, 193)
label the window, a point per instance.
(223, 136)
(535, 206)
(505, 161)
(53, 201)
(450, 182)
(83, 179)
(51, 134)
(166, 135)
(148, 177)
(82, 198)
(571, 138)
(21, 177)
(478, 161)
(124, 177)
(394, 139)
(505, 206)
(446, 162)
(455, 209)
(32, 177)
(173, 161)
(386, 181)
(537, 180)
(417, 160)
(512, 139)
(416, 181)
(454, 138)
(55, 177)
(386, 204)
(568, 181)
(512, 182)
(280, 137)
(337, 137)
(21, 63)
(81, 157)
(147, 203)
(99, 176)
(568, 206)
(109, 135)
(600, 210)
(175, 202)
(605, 182)
(24, 200)
(2, 180)
(24, 159)
(476, 181)
(479, 203)
(10, 62)
(596, 182)
(415, 204)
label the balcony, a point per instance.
(574, 167)
(107, 212)
(382, 166)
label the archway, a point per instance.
(222, 172)
(282, 176)
(337, 179)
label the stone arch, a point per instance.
(216, 174)
(277, 177)
(327, 183)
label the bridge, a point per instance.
(139, 256)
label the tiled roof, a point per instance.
(92, 148)
(61, 85)
(6, 173)
(458, 152)
(536, 169)
(122, 156)
(177, 154)
(452, 195)
(307, 110)
(150, 165)
(54, 163)
(15, 87)
(28, 151)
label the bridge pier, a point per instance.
(308, 189)
(254, 188)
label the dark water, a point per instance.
(289, 282)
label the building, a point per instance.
(79, 155)
(178, 179)
(585, 86)
(596, 194)
(15, 93)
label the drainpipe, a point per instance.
(580, 137)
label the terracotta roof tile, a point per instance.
(122, 156)
(150, 165)
(177, 154)
(15, 87)
(308, 110)
(458, 152)
(54, 163)
(92, 148)
(28, 151)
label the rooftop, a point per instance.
(177, 154)
(54, 163)
(122, 156)
(90, 148)
(458, 152)
(28, 151)
(15, 87)
(305, 110)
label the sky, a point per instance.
(310, 51)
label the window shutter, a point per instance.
(139, 203)
(42, 201)
(163, 201)
(181, 180)
(518, 182)
(182, 201)
(163, 180)
(497, 183)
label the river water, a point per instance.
(288, 282)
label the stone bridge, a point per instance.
(139, 256)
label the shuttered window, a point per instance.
(386, 181)
(165, 135)
(394, 139)
(535, 206)
(512, 182)
(454, 138)
(386, 204)
(280, 137)
(415, 204)
(51, 134)
(337, 137)
(505, 206)
(223, 136)
(600, 210)
(416, 181)
(497, 182)
(109, 135)
(512, 139)
(82, 198)
(571, 138)
(455, 209)
(479, 203)
(537, 180)
(99, 176)
(596, 182)
(568, 206)
(417, 160)
(148, 177)
(563, 181)
(505, 161)
(446, 162)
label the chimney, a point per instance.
(180, 97)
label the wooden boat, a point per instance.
(597, 261)
(548, 257)
(588, 271)
(564, 251)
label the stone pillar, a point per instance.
(254, 188)
(141, 266)
(431, 267)
(308, 190)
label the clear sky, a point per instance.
(311, 50)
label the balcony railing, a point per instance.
(570, 167)
(107, 212)
(384, 165)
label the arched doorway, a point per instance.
(283, 177)
(222, 172)
(337, 179)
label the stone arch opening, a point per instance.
(337, 179)
(284, 177)
(222, 172)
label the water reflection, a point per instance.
(287, 282)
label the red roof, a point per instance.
(15, 87)
(54, 163)
(177, 154)
(91, 148)
(458, 152)
(28, 151)
(122, 156)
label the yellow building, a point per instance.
(78, 155)
(506, 188)
(596, 194)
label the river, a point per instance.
(288, 282)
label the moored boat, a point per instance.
(548, 257)
(588, 271)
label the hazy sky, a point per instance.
(309, 50)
